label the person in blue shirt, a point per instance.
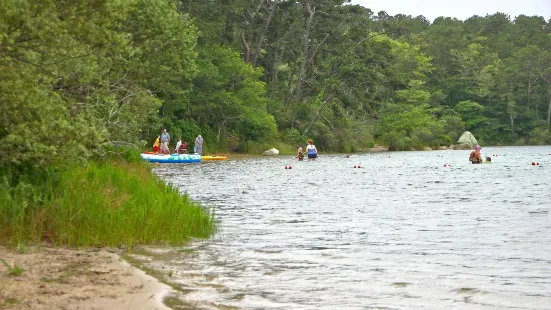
(165, 140)
(198, 148)
(311, 150)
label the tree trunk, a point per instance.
(549, 107)
(528, 91)
(305, 49)
(227, 29)
(246, 48)
(316, 116)
(549, 110)
(248, 21)
(278, 58)
(289, 95)
(220, 126)
(512, 123)
(263, 34)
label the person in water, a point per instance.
(475, 156)
(311, 150)
(198, 148)
(156, 144)
(488, 160)
(300, 155)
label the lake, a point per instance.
(407, 230)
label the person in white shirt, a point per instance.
(177, 150)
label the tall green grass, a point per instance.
(111, 203)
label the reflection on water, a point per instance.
(402, 232)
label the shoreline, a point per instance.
(59, 278)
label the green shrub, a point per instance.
(540, 135)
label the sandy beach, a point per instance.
(55, 278)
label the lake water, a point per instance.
(401, 232)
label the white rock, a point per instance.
(271, 152)
(467, 138)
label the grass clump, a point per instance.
(112, 203)
(13, 270)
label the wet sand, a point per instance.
(55, 278)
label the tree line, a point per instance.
(78, 77)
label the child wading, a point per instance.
(300, 155)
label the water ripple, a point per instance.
(403, 232)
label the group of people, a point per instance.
(476, 158)
(311, 151)
(161, 144)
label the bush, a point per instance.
(293, 136)
(396, 141)
(540, 135)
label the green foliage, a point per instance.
(411, 121)
(472, 113)
(77, 77)
(293, 136)
(453, 126)
(107, 204)
(80, 78)
(257, 127)
(540, 135)
(229, 96)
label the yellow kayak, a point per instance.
(214, 157)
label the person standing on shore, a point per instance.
(311, 150)
(165, 140)
(198, 148)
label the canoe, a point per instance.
(172, 159)
(214, 158)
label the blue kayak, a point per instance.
(172, 159)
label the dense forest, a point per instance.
(77, 77)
